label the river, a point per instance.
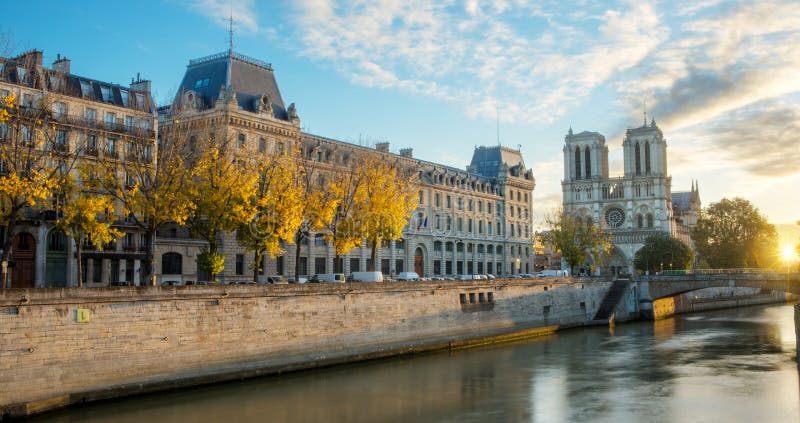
(725, 366)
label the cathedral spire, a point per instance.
(230, 30)
(644, 109)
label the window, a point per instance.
(587, 159)
(639, 221)
(240, 141)
(111, 120)
(319, 240)
(437, 200)
(171, 264)
(202, 83)
(647, 157)
(448, 202)
(460, 247)
(262, 145)
(448, 247)
(649, 220)
(91, 145)
(86, 89)
(106, 92)
(26, 134)
(91, 115)
(470, 205)
(60, 143)
(128, 123)
(111, 147)
(240, 264)
(354, 265)
(124, 95)
(637, 153)
(577, 163)
(421, 197)
(399, 266)
(437, 246)
(400, 244)
(489, 207)
(59, 110)
(319, 265)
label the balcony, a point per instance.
(59, 147)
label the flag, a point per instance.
(423, 224)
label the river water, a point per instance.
(724, 366)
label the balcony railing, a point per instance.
(80, 121)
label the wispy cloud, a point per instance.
(477, 53)
(220, 11)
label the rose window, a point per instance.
(615, 217)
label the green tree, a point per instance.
(732, 233)
(574, 239)
(663, 251)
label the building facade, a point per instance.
(64, 120)
(475, 220)
(633, 206)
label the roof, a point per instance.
(487, 161)
(249, 78)
(18, 71)
(682, 200)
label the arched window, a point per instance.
(637, 153)
(577, 163)
(437, 246)
(499, 249)
(171, 264)
(639, 221)
(490, 249)
(448, 247)
(647, 157)
(480, 248)
(649, 220)
(587, 157)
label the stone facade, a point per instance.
(630, 207)
(470, 221)
(91, 120)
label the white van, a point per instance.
(552, 273)
(367, 276)
(407, 276)
(465, 277)
(329, 277)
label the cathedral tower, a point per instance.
(645, 151)
(585, 156)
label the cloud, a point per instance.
(219, 11)
(537, 64)
(757, 138)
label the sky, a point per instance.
(720, 78)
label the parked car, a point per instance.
(367, 277)
(296, 280)
(465, 277)
(329, 277)
(407, 276)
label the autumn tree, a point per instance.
(33, 151)
(732, 233)
(663, 251)
(316, 207)
(221, 191)
(389, 197)
(151, 184)
(344, 192)
(574, 239)
(84, 213)
(279, 208)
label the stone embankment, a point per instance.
(65, 346)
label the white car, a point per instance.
(407, 276)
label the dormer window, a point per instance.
(202, 83)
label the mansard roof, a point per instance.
(27, 70)
(496, 160)
(249, 78)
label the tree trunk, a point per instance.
(256, 265)
(80, 265)
(8, 241)
(149, 257)
(297, 238)
(373, 255)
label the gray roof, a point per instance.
(682, 200)
(486, 161)
(249, 78)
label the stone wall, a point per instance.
(716, 299)
(62, 346)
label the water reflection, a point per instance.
(735, 365)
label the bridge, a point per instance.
(668, 285)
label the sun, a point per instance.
(788, 254)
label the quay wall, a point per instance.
(61, 346)
(716, 299)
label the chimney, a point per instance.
(140, 85)
(61, 64)
(406, 152)
(383, 147)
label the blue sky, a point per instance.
(721, 78)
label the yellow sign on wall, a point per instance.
(83, 315)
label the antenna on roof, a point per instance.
(230, 29)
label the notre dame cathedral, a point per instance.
(633, 206)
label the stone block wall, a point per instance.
(61, 346)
